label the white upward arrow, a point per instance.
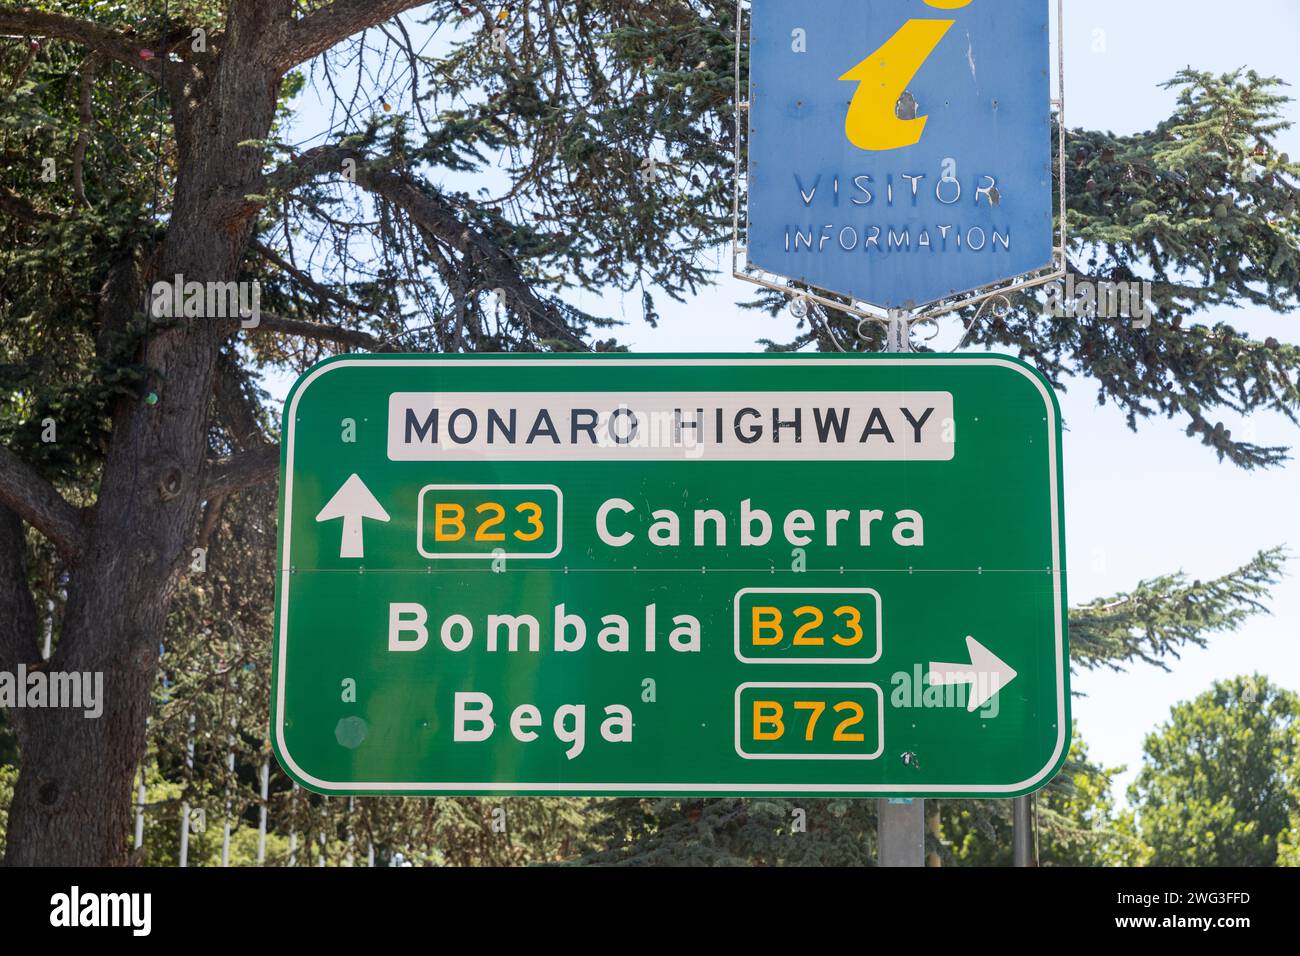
(352, 503)
(987, 672)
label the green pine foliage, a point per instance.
(73, 216)
(593, 150)
(1288, 841)
(1160, 618)
(1204, 207)
(8, 777)
(734, 832)
(1217, 785)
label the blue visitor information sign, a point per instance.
(900, 150)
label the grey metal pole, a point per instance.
(261, 812)
(1022, 831)
(901, 823)
(49, 631)
(185, 805)
(900, 332)
(230, 775)
(351, 836)
(324, 801)
(293, 834)
(901, 832)
(140, 794)
(139, 810)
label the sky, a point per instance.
(1137, 505)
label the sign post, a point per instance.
(901, 832)
(1022, 832)
(747, 575)
(899, 167)
(900, 826)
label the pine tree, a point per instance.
(1205, 207)
(1215, 786)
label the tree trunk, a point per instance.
(71, 805)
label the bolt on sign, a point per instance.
(900, 150)
(774, 574)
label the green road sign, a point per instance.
(607, 574)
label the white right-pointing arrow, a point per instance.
(986, 672)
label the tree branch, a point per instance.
(15, 206)
(1162, 616)
(320, 291)
(39, 503)
(315, 33)
(18, 624)
(354, 338)
(237, 408)
(86, 113)
(433, 214)
(211, 518)
(24, 21)
(243, 471)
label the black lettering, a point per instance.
(832, 422)
(495, 423)
(917, 426)
(678, 424)
(589, 418)
(543, 429)
(631, 432)
(462, 413)
(870, 430)
(777, 425)
(430, 426)
(755, 433)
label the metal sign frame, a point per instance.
(741, 268)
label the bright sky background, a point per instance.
(1137, 505)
